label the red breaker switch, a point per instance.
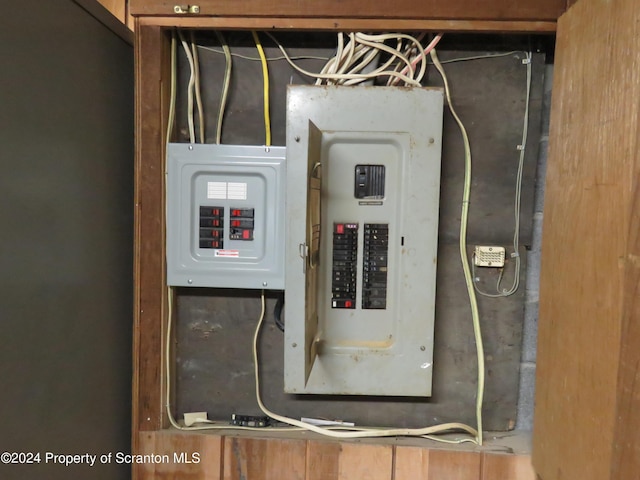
(242, 212)
(241, 223)
(241, 234)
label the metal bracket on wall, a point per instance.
(183, 9)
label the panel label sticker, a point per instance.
(227, 190)
(227, 253)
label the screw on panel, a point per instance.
(432, 140)
(423, 348)
(267, 149)
(189, 281)
(264, 284)
(294, 345)
(297, 139)
(190, 147)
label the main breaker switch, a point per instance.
(369, 181)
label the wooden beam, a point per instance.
(351, 24)
(626, 448)
(149, 276)
(249, 458)
(415, 463)
(586, 421)
(323, 460)
(506, 467)
(179, 455)
(421, 9)
(242, 457)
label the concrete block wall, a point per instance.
(532, 293)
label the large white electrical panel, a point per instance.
(225, 216)
(363, 185)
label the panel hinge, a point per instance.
(183, 9)
(303, 251)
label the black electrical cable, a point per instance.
(277, 312)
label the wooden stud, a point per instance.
(446, 464)
(267, 459)
(411, 463)
(507, 467)
(373, 462)
(149, 277)
(586, 422)
(415, 463)
(626, 448)
(172, 455)
(323, 459)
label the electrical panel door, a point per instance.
(225, 216)
(361, 252)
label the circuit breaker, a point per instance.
(225, 216)
(363, 185)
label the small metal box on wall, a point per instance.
(363, 184)
(225, 216)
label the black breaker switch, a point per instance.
(241, 223)
(211, 227)
(374, 265)
(369, 181)
(344, 271)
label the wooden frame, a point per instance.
(149, 412)
(501, 10)
(609, 452)
(588, 374)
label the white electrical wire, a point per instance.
(196, 86)
(416, 43)
(335, 432)
(479, 57)
(210, 425)
(187, 50)
(518, 196)
(172, 92)
(270, 59)
(225, 85)
(316, 57)
(354, 432)
(464, 217)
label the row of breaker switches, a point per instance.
(212, 227)
(344, 271)
(374, 265)
(241, 225)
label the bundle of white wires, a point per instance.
(358, 57)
